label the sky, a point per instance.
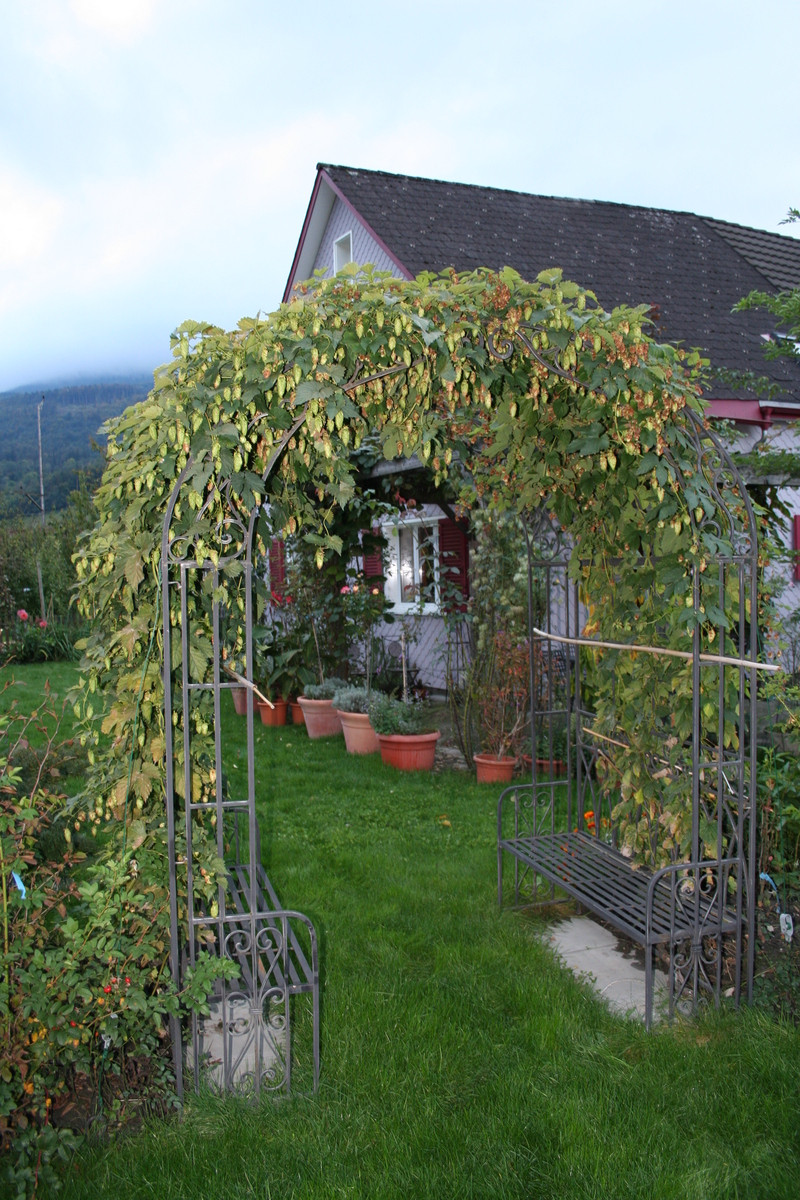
(157, 156)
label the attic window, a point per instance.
(342, 252)
(782, 339)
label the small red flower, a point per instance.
(42, 623)
(107, 988)
(23, 616)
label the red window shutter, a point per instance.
(454, 561)
(372, 541)
(277, 568)
(796, 524)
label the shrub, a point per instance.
(325, 690)
(352, 700)
(34, 639)
(390, 715)
(84, 995)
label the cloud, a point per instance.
(123, 21)
(30, 217)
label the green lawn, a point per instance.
(41, 686)
(458, 1058)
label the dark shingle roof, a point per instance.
(692, 268)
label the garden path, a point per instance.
(614, 966)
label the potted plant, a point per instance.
(406, 732)
(278, 667)
(321, 718)
(551, 748)
(503, 708)
(352, 705)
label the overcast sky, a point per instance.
(157, 156)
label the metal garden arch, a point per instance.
(693, 908)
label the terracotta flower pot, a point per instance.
(494, 768)
(273, 716)
(359, 736)
(409, 751)
(239, 694)
(321, 718)
(543, 766)
(296, 709)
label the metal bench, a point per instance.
(686, 907)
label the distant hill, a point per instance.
(71, 421)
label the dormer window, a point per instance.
(342, 252)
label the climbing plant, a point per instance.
(520, 394)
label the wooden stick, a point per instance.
(687, 654)
(246, 683)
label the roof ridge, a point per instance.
(616, 204)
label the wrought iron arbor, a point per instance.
(695, 907)
(563, 837)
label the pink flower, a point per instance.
(42, 623)
(345, 591)
(23, 616)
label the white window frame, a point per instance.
(393, 587)
(342, 251)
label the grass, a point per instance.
(459, 1060)
(39, 686)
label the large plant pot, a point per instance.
(544, 765)
(321, 718)
(409, 751)
(296, 709)
(494, 768)
(359, 736)
(275, 715)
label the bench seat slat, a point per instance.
(603, 880)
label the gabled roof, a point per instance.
(690, 269)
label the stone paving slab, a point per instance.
(613, 966)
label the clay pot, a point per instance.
(409, 751)
(359, 736)
(296, 709)
(544, 765)
(494, 768)
(239, 694)
(321, 718)
(273, 716)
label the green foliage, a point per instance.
(325, 690)
(71, 418)
(584, 415)
(779, 797)
(589, 402)
(27, 640)
(280, 666)
(392, 715)
(83, 992)
(352, 699)
(25, 547)
(489, 697)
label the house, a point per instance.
(690, 271)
